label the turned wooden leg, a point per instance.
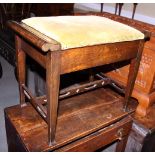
(20, 58)
(133, 70)
(121, 144)
(52, 81)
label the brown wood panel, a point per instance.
(37, 55)
(92, 56)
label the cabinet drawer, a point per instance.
(100, 138)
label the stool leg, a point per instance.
(91, 75)
(116, 7)
(20, 58)
(121, 144)
(133, 70)
(120, 8)
(102, 7)
(52, 81)
(134, 9)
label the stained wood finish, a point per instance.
(144, 85)
(34, 53)
(101, 138)
(52, 79)
(40, 102)
(97, 55)
(83, 120)
(20, 58)
(57, 61)
(134, 65)
(35, 102)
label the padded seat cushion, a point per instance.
(80, 31)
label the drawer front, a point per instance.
(100, 138)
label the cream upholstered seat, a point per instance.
(80, 31)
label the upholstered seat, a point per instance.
(80, 31)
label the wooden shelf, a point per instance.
(78, 116)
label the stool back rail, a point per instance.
(57, 62)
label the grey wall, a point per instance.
(144, 12)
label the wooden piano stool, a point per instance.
(75, 114)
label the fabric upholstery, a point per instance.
(80, 31)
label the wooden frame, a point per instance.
(58, 62)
